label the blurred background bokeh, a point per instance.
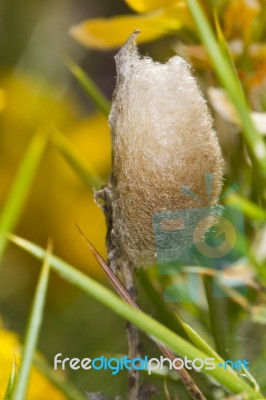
(37, 89)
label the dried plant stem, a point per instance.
(183, 374)
(118, 262)
(120, 265)
(134, 345)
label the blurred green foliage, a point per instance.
(45, 191)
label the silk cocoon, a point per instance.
(162, 141)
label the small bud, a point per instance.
(163, 142)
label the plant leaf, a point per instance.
(87, 174)
(66, 387)
(88, 85)
(199, 341)
(21, 186)
(12, 382)
(33, 329)
(110, 33)
(123, 293)
(143, 321)
(148, 5)
(250, 209)
(254, 142)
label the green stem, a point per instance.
(226, 377)
(60, 382)
(254, 142)
(88, 85)
(19, 191)
(33, 330)
(216, 315)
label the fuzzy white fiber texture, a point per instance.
(163, 145)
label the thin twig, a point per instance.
(119, 263)
(134, 346)
(190, 385)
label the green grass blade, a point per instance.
(33, 329)
(88, 85)
(229, 81)
(199, 341)
(87, 174)
(226, 53)
(249, 209)
(216, 314)
(21, 186)
(162, 309)
(143, 321)
(251, 379)
(12, 382)
(67, 388)
(207, 349)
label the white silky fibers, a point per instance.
(162, 140)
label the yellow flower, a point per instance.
(239, 18)
(156, 18)
(40, 388)
(2, 100)
(241, 21)
(69, 201)
(147, 5)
